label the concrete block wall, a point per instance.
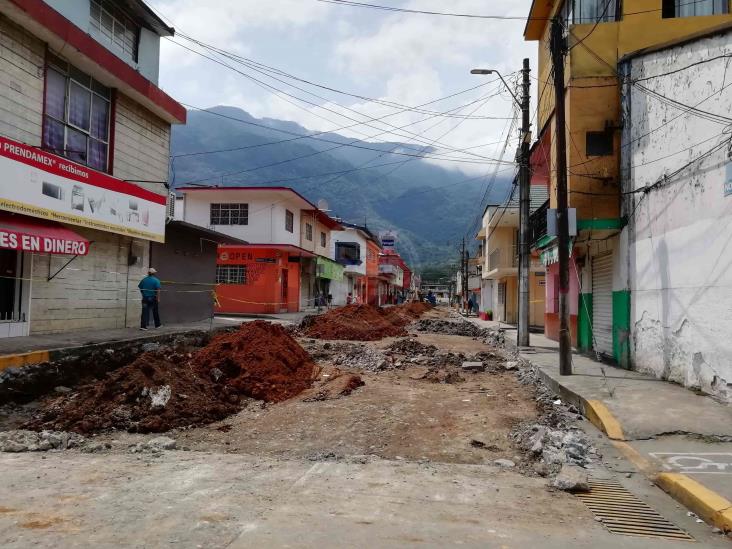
(96, 291)
(21, 83)
(141, 145)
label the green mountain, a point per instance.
(430, 207)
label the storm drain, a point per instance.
(623, 513)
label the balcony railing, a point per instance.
(503, 258)
(537, 224)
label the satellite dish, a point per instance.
(323, 205)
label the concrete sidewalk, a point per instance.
(682, 440)
(21, 351)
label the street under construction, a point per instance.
(424, 412)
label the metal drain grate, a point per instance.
(623, 513)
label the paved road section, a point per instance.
(192, 499)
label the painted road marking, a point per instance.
(691, 462)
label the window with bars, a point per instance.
(116, 28)
(690, 8)
(231, 274)
(229, 214)
(290, 222)
(323, 240)
(76, 115)
(309, 232)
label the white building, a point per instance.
(677, 180)
(348, 247)
(273, 218)
(81, 121)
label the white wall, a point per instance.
(266, 214)
(350, 235)
(148, 55)
(679, 255)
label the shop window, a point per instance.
(229, 214)
(687, 8)
(231, 274)
(289, 221)
(323, 240)
(76, 117)
(114, 27)
(309, 232)
(599, 143)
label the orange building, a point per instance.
(372, 278)
(259, 278)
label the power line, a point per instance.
(352, 3)
(267, 68)
(313, 135)
(318, 152)
(410, 135)
(280, 130)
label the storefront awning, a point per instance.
(29, 234)
(329, 269)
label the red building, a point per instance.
(259, 278)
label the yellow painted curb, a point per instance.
(598, 414)
(23, 359)
(709, 505)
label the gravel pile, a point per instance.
(448, 327)
(552, 448)
(42, 441)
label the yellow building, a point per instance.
(598, 34)
(499, 272)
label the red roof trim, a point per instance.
(325, 219)
(284, 247)
(287, 189)
(49, 18)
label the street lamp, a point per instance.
(524, 199)
(493, 71)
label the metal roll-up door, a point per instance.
(602, 304)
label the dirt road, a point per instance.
(407, 459)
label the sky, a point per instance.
(404, 58)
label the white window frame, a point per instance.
(229, 213)
(231, 274)
(95, 89)
(125, 40)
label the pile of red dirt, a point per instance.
(161, 391)
(355, 323)
(259, 360)
(363, 322)
(407, 312)
(155, 393)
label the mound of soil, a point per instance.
(160, 391)
(259, 360)
(355, 323)
(363, 322)
(155, 393)
(337, 384)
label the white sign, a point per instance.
(44, 185)
(388, 239)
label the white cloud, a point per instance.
(409, 59)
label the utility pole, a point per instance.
(463, 282)
(524, 212)
(466, 287)
(557, 47)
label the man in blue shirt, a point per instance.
(150, 290)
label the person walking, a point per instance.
(150, 290)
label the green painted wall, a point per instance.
(584, 323)
(621, 328)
